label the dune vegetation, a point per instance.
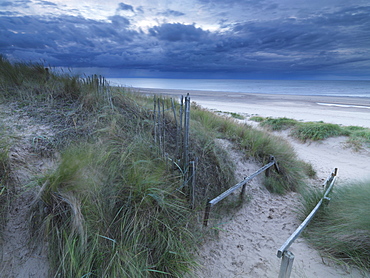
(117, 204)
(315, 131)
(341, 229)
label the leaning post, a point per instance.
(206, 213)
(286, 264)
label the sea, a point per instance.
(339, 88)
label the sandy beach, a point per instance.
(338, 110)
(248, 239)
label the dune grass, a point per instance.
(256, 144)
(115, 211)
(342, 228)
(4, 173)
(115, 207)
(316, 131)
(277, 124)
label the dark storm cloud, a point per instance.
(239, 2)
(47, 3)
(169, 13)
(125, 7)
(321, 41)
(119, 21)
(174, 32)
(67, 39)
(17, 3)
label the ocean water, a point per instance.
(286, 87)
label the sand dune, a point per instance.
(248, 238)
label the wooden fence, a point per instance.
(243, 183)
(181, 116)
(283, 252)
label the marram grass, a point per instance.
(342, 228)
(115, 207)
(358, 137)
(116, 214)
(257, 144)
(4, 174)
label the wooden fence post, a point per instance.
(286, 264)
(206, 213)
(243, 191)
(186, 131)
(192, 184)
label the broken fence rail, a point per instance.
(211, 203)
(283, 252)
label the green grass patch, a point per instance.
(237, 116)
(358, 137)
(316, 131)
(277, 124)
(257, 119)
(342, 229)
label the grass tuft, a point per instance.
(4, 173)
(257, 119)
(358, 137)
(120, 204)
(257, 144)
(316, 131)
(277, 124)
(342, 229)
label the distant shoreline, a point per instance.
(339, 110)
(337, 88)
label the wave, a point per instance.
(343, 105)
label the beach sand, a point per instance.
(338, 110)
(248, 239)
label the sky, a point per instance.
(248, 39)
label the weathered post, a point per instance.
(163, 130)
(206, 213)
(286, 264)
(192, 186)
(155, 119)
(186, 131)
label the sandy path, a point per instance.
(248, 239)
(20, 257)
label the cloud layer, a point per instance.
(244, 39)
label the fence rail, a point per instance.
(283, 252)
(211, 203)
